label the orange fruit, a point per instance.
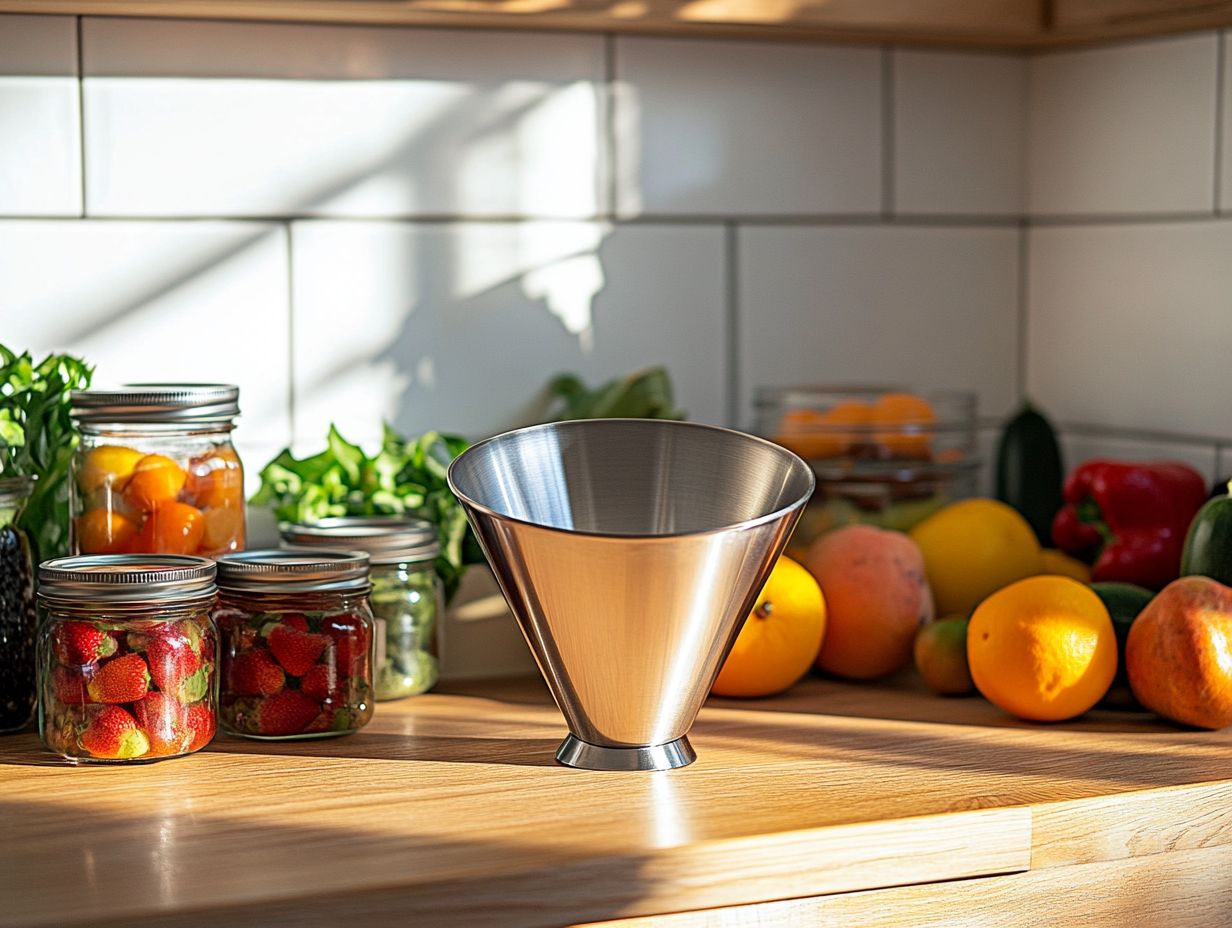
(171, 528)
(102, 531)
(224, 530)
(780, 638)
(941, 656)
(1042, 648)
(1059, 564)
(156, 479)
(1176, 656)
(911, 419)
(107, 466)
(215, 479)
(813, 434)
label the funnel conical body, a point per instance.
(630, 551)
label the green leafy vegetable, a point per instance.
(37, 439)
(645, 394)
(405, 477)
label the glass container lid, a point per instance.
(278, 571)
(387, 540)
(130, 579)
(188, 403)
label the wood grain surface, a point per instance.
(449, 806)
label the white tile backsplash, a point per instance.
(1225, 161)
(1079, 447)
(158, 301)
(959, 132)
(1128, 325)
(926, 307)
(40, 148)
(739, 128)
(241, 119)
(1124, 129)
(460, 326)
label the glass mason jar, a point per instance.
(155, 472)
(126, 657)
(296, 643)
(407, 595)
(18, 616)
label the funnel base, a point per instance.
(574, 752)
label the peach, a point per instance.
(877, 597)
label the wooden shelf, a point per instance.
(449, 808)
(1004, 24)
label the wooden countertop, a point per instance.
(450, 806)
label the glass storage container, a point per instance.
(126, 657)
(296, 639)
(18, 615)
(407, 596)
(883, 456)
(156, 472)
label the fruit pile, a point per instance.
(130, 502)
(893, 425)
(294, 674)
(140, 690)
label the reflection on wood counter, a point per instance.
(450, 807)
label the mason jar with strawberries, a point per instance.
(126, 657)
(296, 643)
(156, 472)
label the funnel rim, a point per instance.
(642, 536)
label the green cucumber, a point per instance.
(1208, 546)
(1029, 470)
(1124, 601)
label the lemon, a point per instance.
(973, 548)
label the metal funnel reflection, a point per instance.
(630, 551)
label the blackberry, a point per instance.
(18, 623)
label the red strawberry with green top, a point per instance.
(121, 679)
(172, 661)
(80, 643)
(70, 684)
(164, 721)
(320, 682)
(350, 637)
(253, 673)
(295, 650)
(201, 723)
(286, 713)
(113, 734)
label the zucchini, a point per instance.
(1029, 471)
(1208, 546)
(1124, 602)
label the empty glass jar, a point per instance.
(296, 641)
(126, 657)
(407, 596)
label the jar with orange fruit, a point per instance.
(883, 456)
(156, 471)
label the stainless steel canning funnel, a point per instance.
(630, 551)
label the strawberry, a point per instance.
(172, 661)
(164, 722)
(201, 723)
(350, 637)
(320, 682)
(295, 650)
(70, 684)
(252, 673)
(80, 642)
(286, 713)
(113, 734)
(121, 679)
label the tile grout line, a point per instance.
(290, 252)
(732, 308)
(81, 112)
(1024, 262)
(609, 120)
(887, 131)
(1220, 66)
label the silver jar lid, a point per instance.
(387, 540)
(277, 571)
(158, 403)
(127, 579)
(15, 490)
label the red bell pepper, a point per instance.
(1130, 517)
